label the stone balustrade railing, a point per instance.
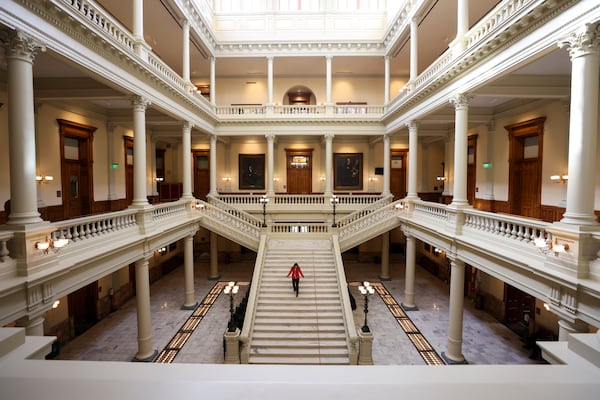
(299, 199)
(299, 227)
(236, 212)
(435, 210)
(369, 220)
(164, 210)
(365, 211)
(84, 228)
(512, 227)
(4, 238)
(241, 226)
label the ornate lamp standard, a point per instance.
(366, 289)
(264, 200)
(231, 289)
(334, 200)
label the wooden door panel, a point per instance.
(299, 179)
(202, 174)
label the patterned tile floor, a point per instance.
(485, 340)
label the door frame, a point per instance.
(298, 152)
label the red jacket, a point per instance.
(295, 272)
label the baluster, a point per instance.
(3, 251)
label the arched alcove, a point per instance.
(299, 95)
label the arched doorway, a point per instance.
(299, 95)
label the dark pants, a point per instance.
(295, 285)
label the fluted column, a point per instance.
(455, 326)
(584, 49)
(140, 104)
(414, 50)
(461, 106)
(270, 80)
(270, 163)
(214, 257)
(186, 149)
(213, 165)
(329, 164)
(387, 165)
(185, 73)
(188, 271)
(409, 285)
(144, 321)
(20, 50)
(213, 80)
(386, 84)
(413, 144)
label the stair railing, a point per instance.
(248, 327)
(351, 333)
(384, 201)
(236, 212)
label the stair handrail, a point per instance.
(248, 327)
(384, 201)
(224, 206)
(351, 333)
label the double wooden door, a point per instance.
(299, 171)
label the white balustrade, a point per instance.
(508, 226)
(79, 229)
(4, 238)
(434, 210)
(236, 212)
(161, 211)
(495, 21)
(299, 227)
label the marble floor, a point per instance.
(485, 340)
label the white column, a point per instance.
(186, 149)
(213, 80)
(138, 20)
(185, 73)
(214, 257)
(489, 171)
(449, 166)
(33, 326)
(414, 50)
(110, 158)
(385, 257)
(328, 60)
(153, 182)
(386, 165)
(565, 328)
(269, 80)
(584, 49)
(462, 26)
(20, 50)
(413, 144)
(386, 84)
(409, 285)
(139, 150)
(461, 105)
(144, 321)
(213, 165)
(270, 163)
(455, 326)
(188, 271)
(329, 164)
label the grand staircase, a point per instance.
(308, 329)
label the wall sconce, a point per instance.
(199, 205)
(322, 179)
(226, 179)
(162, 251)
(546, 245)
(559, 178)
(546, 306)
(160, 179)
(399, 206)
(54, 244)
(438, 251)
(372, 179)
(44, 178)
(55, 304)
(275, 179)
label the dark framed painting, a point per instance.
(348, 171)
(252, 171)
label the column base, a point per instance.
(214, 278)
(192, 307)
(409, 308)
(451, 361)
(150, 358)
(385, 278)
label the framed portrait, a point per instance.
(252, 171)
(348, 171)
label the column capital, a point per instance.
(329, 136)
(582, 42)
(270, 137)
(20, 45)
(270, 58)
(461, 101)
(139, 103)
(386, 137)
(329, 57)
(412, 124)
(187, 126)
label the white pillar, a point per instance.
(414, 50)
(20, 50)
(139, 150)
(185, 73)
(584, 49)
(462, 27)
(186, 149)
(413, 144)
(385, 257)
(449, 166)
(214, 257)
(153, 182)
(138, 20)
(386, 84)
(409, 285)
(33, 326)
(328, 60)
(461, 105)
(455, 326)
(188, 271)
(110, 157)
(329, 164)
(489, 171)
(144, 321)
(213, 80)
(213, 165)
(270, 80)
(565, 328)
(270, 163)
(386, 165)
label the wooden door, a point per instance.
(398, 173)
(128, 142)
(299, 171)
(201, 173)
(82, 308)
(525, 167)
(76, 152)
(471, 168)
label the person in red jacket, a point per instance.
(295, 273)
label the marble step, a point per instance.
(299, 351)
(259, 336)
(299, 360)
(299, 329)
(281, 345)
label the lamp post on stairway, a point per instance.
(334, 200)
(366, 289)
(264, 200)
(231, 289)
